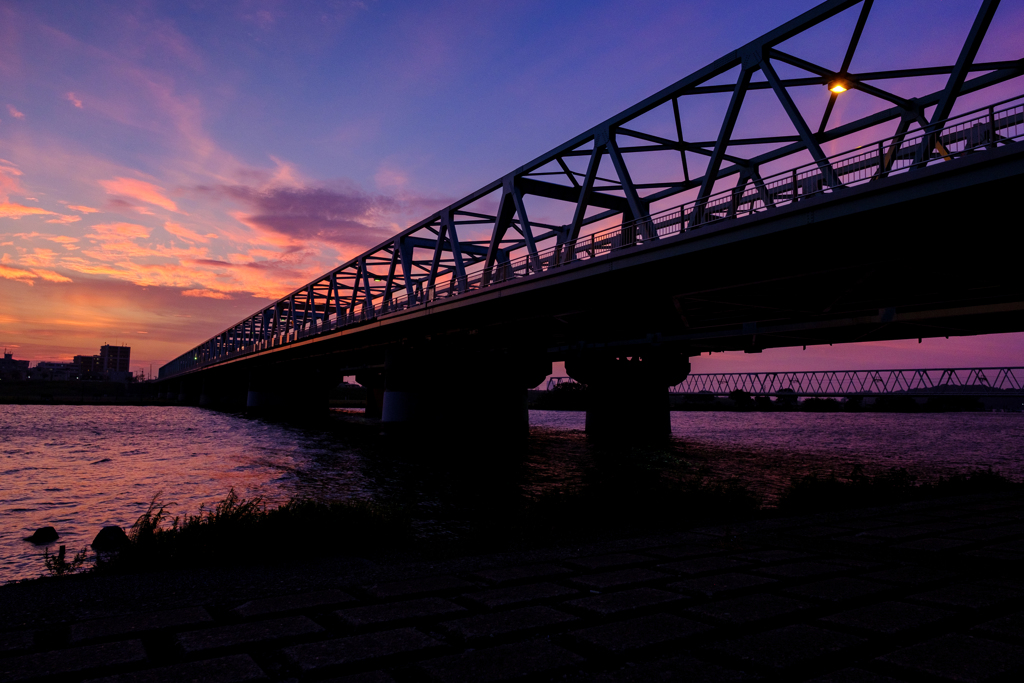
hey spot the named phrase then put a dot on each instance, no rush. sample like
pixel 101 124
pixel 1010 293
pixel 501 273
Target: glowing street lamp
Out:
pixel 837 86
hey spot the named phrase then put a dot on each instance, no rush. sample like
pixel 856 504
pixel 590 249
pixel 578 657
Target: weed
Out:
pixel 57 565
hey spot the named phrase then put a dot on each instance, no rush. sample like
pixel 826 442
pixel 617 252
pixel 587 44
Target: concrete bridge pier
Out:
pixel 454 398
pixel 627 396
pixel 188 392
pixel 373 382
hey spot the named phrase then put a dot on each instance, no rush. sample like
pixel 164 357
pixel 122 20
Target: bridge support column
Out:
pixel 457 398
pixel 373 382
pixel 627 396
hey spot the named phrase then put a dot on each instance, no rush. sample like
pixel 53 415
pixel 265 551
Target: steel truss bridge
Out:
pixel 639 181
pixel 1007 381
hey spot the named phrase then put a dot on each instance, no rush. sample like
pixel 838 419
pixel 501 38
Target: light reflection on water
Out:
pixel 80 468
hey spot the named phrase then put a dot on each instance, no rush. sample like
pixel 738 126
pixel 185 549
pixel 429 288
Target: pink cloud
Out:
pixel 65 219
pixel 119 231
pixel 29 276
pixel 83 209
pixel 74 100
pixel 206 294
pixel 16 211
pixel 14 112
pixel 140 190
pixel 188 235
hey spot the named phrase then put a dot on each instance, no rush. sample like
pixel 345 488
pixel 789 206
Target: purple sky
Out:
pixel 166 168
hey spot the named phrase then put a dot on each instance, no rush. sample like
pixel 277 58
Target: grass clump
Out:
pixel 240 530
pixel 59 565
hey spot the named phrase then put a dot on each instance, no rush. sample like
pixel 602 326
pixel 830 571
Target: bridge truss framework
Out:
pixel 1005 381
pixel 630 181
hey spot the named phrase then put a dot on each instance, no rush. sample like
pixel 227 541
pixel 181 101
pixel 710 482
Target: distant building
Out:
pixel 13 370
pixel 88 366
pixel 114 362
pixel 54 372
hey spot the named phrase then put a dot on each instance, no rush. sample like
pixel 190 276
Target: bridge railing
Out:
pixel 984 128
pixel 1000 381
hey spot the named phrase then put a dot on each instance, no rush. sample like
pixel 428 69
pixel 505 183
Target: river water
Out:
pixel 81 468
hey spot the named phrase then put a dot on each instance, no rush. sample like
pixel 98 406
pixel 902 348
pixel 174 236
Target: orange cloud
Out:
pixel 29 276
pixel 206 294
pixel 188 235
pixel 74 100
pixel 65 219
pixel 140 190
pixel 60 239
pixel 119 231
pixel 14 112
pixel 16 211
pixel 83 209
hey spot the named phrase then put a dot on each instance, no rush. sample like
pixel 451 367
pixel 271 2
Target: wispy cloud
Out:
pixel 206 294
pixel 14 112
pixel 139 190
pixel 188 235
pixel 82 209
pixel 29 276
pixel 74 100
pixel 345 216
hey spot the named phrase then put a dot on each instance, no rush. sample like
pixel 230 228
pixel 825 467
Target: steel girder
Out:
pixel 1005 381
pixel 493 235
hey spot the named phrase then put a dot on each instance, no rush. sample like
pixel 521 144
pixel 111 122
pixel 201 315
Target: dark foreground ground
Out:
pixel 928 591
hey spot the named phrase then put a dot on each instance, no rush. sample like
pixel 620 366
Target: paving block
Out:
pixel 520 595
pixel 986 534
pixel 483 627
pixel 642 632
pixel 364 648
pixel 624 601
pixel 911 575
pixel 704 565
pixel 934 545
pixel 841 589
pixel 749 608
pixel 1011 627
pixel 502 663
pixel 16 641
pixel 608 561
pixel 430 584
pixel 528 572
pixel 678 552
pixel 786 647
pixel 368 677
pixel 959 657
pixel 233 669
pixel 888 617
pixel 853 676
pixel 816 531
pixel 801 570
pixel 719 584
pixel 72 660
pixel 773 555
pixel 247 633
pixel 398 611
pixel 138 623
pixel 680 668
pixel 968 595
pixel 619 578
pixel 290 603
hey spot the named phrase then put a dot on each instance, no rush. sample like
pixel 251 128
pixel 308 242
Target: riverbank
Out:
pixel 911 591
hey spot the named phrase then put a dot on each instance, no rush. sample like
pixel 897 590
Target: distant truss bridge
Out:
pixel 1006 381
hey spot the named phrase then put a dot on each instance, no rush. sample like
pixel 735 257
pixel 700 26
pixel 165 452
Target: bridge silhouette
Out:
pixel 978 382
pixel 654 247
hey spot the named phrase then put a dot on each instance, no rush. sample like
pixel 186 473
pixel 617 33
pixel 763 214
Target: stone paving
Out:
pixel 920 592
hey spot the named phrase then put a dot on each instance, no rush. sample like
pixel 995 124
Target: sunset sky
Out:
pixel 166 168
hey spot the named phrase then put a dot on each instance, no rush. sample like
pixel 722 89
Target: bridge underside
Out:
pixel 927 254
